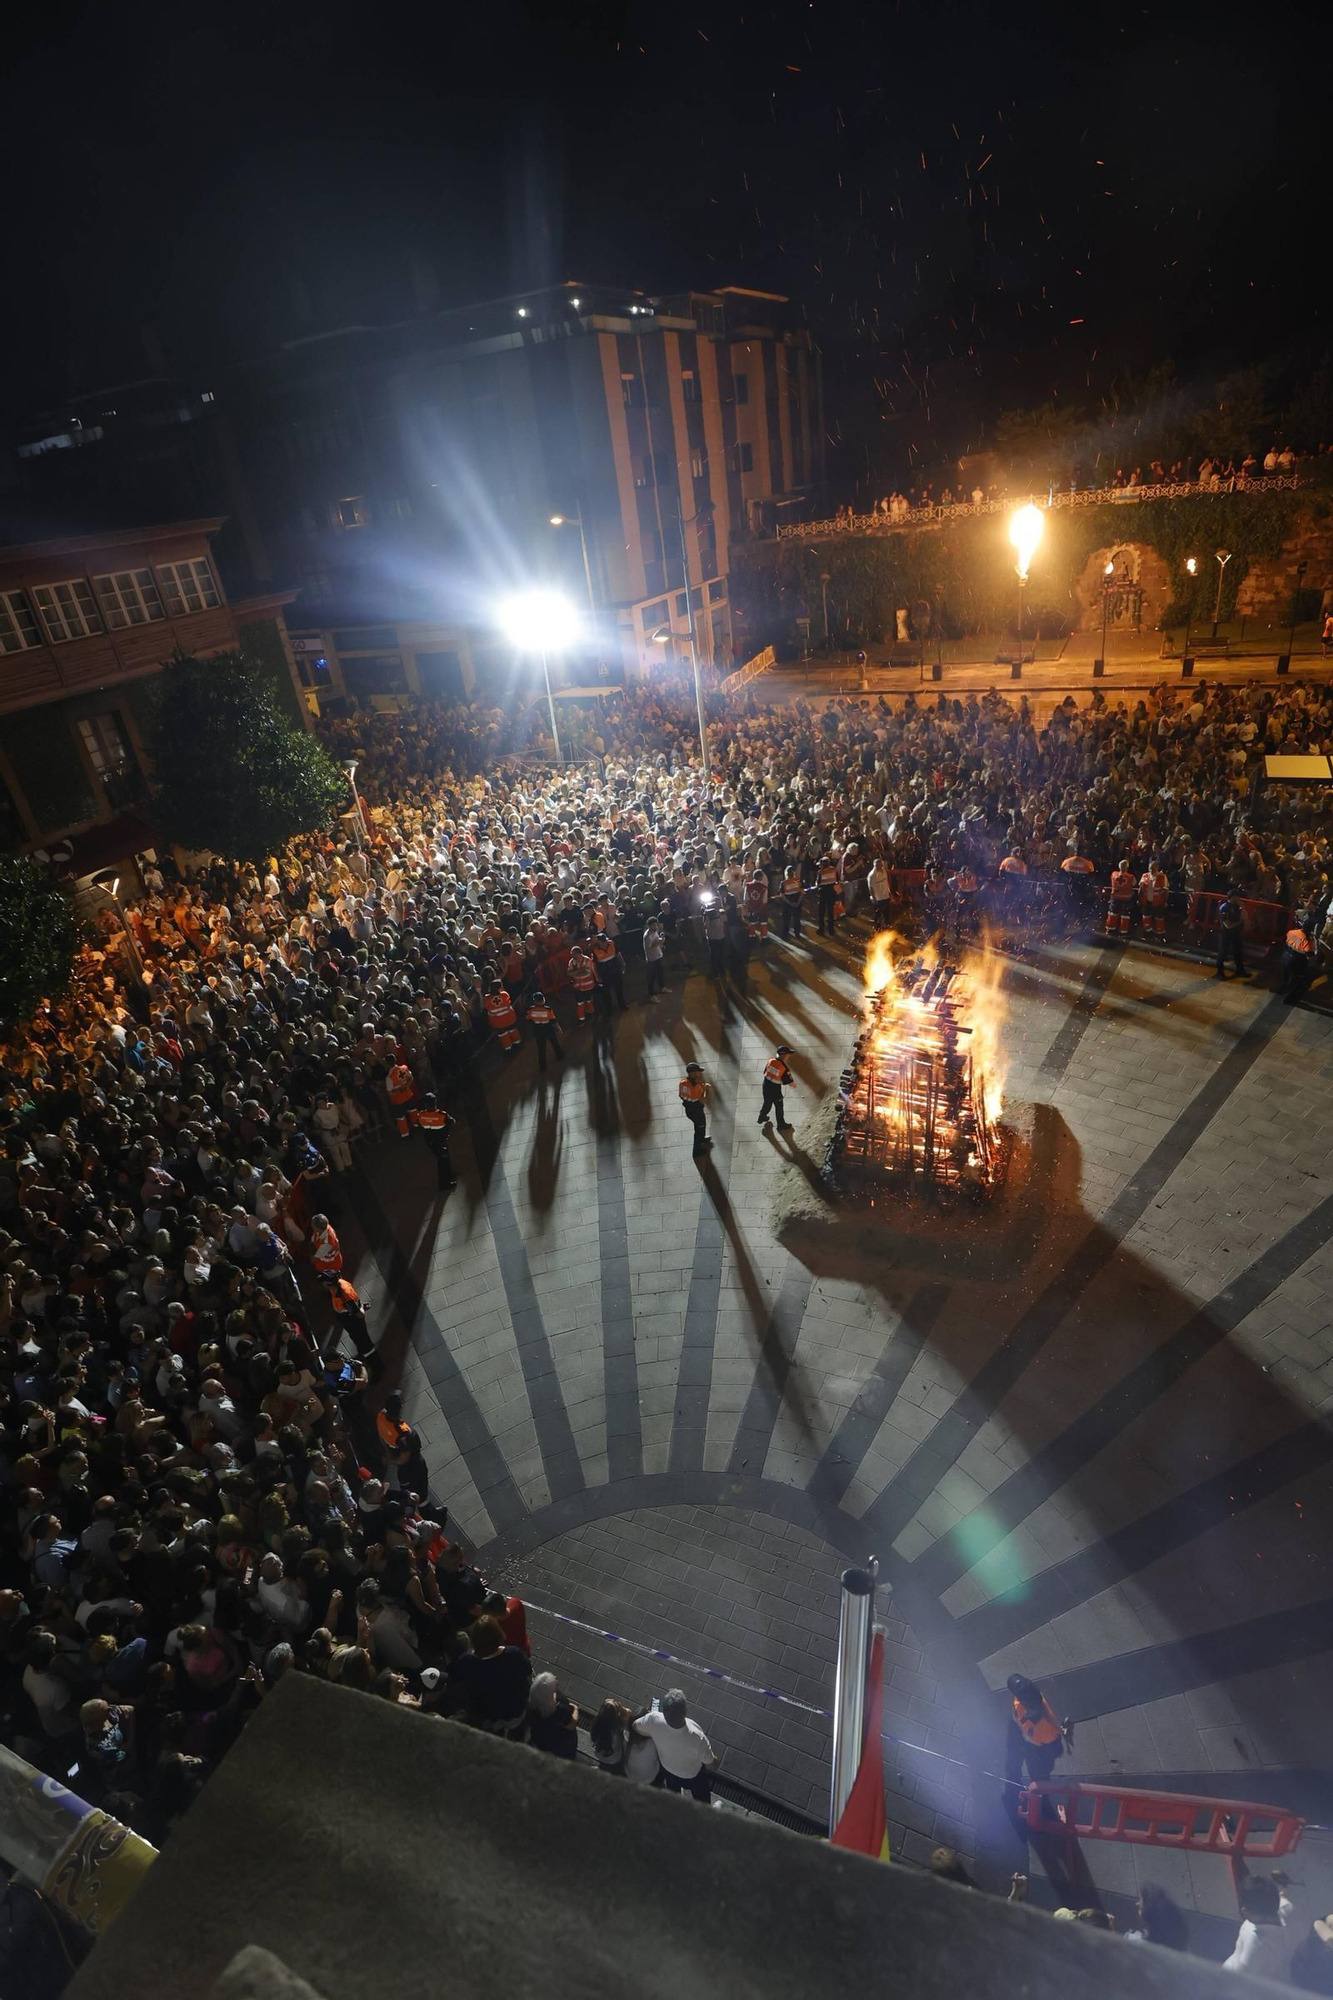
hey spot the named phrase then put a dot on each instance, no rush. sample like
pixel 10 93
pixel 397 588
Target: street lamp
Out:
pixel 1107 574
pixel 663 636
pixel 540 621
pixel 1025 532
pixel 112 889
pixel 1223 558
pixel 360 822
pixel 1192 567
pixel 576 521
pixel 824 584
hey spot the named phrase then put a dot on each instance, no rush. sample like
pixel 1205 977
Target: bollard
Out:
pixel 1016 670
pixel 1284 663
pixel 86 1864
pixel 1187 667
pixel 1098 669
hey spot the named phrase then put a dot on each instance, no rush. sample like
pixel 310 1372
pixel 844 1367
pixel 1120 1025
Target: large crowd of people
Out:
pixel 208 1479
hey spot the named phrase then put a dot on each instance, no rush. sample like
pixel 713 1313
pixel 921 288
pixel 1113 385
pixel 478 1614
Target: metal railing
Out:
pixel 1098 496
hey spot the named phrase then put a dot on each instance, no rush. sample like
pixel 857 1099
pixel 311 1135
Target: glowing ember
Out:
pixel 914 1108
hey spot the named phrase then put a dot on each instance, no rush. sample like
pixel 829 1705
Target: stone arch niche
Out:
pixel 1140 588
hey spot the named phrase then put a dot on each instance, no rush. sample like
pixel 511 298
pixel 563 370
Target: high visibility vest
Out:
pixel 1154 888
pixel 966 882
pixel 776 1071
pixel 433 1121
pixel 541 1017
pixel 345 1298
pixel 793 888
pixel 1122 885
pixel 400 1084
pixel 500 1009
pixel 325 1255
pixel 1076 864
pixel 828 874
pixel 1298 940
pixel 603 949
pixel 581 974
pixel 1041 1728
pixel 691 1092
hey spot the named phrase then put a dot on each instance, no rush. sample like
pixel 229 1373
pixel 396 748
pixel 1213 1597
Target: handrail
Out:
pixel 1097 496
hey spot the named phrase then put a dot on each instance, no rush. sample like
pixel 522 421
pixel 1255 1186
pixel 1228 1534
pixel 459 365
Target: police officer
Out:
pixel 435 1124
pixel 1036 1735
pixel 1231 934
pixel 541 1019
pixel 349 1316
pixel 609 968
pixel 1298 958
pixel 694 1094
pixel 776 1077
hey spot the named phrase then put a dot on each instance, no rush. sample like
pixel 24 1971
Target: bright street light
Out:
pixel 540 621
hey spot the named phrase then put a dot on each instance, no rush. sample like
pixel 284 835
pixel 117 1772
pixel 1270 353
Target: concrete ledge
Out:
pixel 375 1851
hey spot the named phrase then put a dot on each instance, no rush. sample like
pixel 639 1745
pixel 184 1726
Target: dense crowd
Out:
pixel 205 1485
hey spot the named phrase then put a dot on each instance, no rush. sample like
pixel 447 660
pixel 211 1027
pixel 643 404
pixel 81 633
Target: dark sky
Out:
pixel 977 205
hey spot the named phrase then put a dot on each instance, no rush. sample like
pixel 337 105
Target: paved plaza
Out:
pixel 1085 1431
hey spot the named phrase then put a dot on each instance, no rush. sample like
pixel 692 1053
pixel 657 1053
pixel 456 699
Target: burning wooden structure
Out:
pixel 912 1111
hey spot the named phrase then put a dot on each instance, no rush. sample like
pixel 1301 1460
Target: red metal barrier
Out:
pixel 1229 1827
pixel 1266 924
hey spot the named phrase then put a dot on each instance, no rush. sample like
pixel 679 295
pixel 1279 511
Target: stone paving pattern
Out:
pixel 1094 1447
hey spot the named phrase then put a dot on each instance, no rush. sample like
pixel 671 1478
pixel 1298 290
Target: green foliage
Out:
pixel 1041 441
pixel 234 775
pixel 38 940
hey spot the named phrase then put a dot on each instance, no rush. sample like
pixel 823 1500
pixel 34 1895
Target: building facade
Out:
pixel 87 623
pixel 402 479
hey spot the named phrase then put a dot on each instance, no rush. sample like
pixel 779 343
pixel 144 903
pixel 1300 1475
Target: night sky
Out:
pixel 976 206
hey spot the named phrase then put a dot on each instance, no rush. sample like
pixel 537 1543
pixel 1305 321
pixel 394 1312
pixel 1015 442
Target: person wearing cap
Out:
pixel 694 1094
pixel 435 1122
pixel 688 1758
pixel 1231 934
pixel 777 1077
pixel 545 1029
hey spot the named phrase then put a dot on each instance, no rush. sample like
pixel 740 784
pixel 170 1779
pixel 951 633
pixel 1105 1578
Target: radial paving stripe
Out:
pixel 754 1432
pixel 560 1456
pixel 694 1383
pixel 861 1425
pixel 949 1438
pixel 624 1431
pixel 1064 1048
pixel 1079 1443
pixel 1127 1680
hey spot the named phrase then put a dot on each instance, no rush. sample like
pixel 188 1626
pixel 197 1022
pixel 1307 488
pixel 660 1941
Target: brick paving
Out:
pixel 1092 1444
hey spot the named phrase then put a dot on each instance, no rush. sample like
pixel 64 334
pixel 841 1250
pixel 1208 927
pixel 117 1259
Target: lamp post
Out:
pixel 576 521
pixel 112 889
pixel 1107 574
pixel 541 621
pixel 663 636
pixel 1223 558
pixel 823 585
pixel 360 821
pixel 1025 532
pixel 1192 566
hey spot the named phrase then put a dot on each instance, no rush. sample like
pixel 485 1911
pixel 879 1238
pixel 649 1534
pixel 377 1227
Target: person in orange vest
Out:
pixel 793 894
pixel 401 1086
pixel 349 1315
pixel 609 968
pixel 1036 1736
pixel 500 1013
pixel 776 1077
pixel 435 1124
pixel 583 979
pixel 827 879
pixel 1154 888
pixel 756 903
pixel 1120 908
pixel 325 1251
pixel 694 1096
pixel 541 1017
pixel 1298 959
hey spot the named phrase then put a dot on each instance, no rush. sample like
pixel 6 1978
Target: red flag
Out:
pixel 864 1826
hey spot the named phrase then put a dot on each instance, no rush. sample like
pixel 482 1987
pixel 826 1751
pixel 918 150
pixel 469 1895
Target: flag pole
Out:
pixel 856 1621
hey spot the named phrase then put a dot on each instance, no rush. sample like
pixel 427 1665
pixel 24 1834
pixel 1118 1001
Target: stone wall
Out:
pixel 1146 569
pixel 1269 588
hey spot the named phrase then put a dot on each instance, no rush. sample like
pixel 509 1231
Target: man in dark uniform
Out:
pixel 1231 935
pixel 435 1124
pixel 694 1096
pixel 776 1077
pixel 541 1019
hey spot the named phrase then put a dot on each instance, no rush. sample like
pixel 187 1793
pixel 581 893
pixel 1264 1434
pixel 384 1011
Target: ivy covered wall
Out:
pixel 966 568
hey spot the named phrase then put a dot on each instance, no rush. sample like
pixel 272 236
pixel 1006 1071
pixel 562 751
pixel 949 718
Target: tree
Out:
pixel 38 940
pixel 1043 442
pixel 235 776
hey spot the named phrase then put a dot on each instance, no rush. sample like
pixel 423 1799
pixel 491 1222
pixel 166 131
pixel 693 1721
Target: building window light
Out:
pixel 522 312
pixel 206 396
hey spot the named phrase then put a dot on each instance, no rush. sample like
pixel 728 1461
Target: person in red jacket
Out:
pixel 500 1013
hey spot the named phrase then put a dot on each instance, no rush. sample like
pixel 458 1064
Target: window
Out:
pixel 129 597
pixel 654 615
pixel 689 383
pixel 717 591
pixel 744 458
pixel 68 609
pixel 741 388
pixel 697 464
pixel 18 627
pixel 351 513
pixel 629 389
pixel 104 740
pixel 187 586
pixel 316 585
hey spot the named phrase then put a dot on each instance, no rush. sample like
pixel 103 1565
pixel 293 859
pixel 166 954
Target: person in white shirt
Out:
pixel 1263 1947
pixel 687 1756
